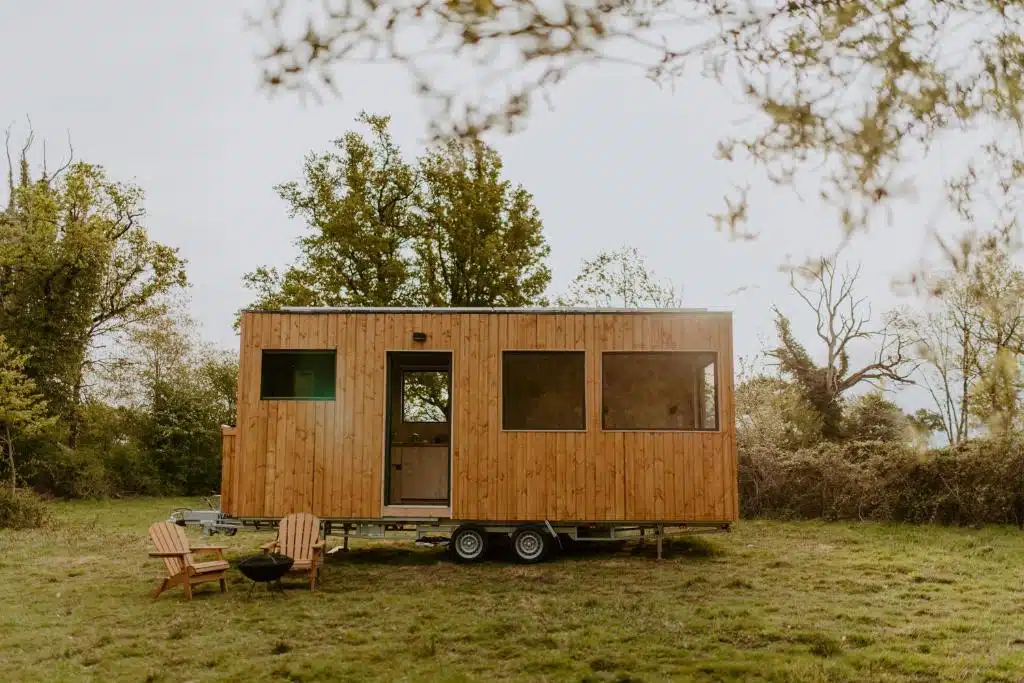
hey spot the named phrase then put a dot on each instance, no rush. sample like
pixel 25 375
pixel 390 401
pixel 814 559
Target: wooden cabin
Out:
pixel 498 416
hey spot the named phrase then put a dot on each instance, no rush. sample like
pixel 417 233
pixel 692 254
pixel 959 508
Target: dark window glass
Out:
pixel 659 390
pixel 543 390
pixel 298 375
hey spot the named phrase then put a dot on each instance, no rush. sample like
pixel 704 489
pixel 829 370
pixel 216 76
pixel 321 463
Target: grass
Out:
pixel 767 602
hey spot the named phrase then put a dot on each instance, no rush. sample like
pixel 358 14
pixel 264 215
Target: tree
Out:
pixel 357 202
pixel 773 412
pixel 183 393
pixel 946 343
pixel 996 288
pixel 77 269
pixel 23 410
pixel 860 88
pixel 619 278
pixel 970 340
pixel 444 231
pixel 840 322
pixel 480 241
pixel 872 417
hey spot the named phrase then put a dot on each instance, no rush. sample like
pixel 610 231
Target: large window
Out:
pixel 543 390
pixel 659 390
pixel 298 375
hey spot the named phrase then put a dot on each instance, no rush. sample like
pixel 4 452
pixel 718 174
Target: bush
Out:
pixel 981 482
pixel 67 473
pixel 21 509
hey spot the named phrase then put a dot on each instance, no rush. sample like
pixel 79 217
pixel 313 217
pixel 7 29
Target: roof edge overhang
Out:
pixel 552 310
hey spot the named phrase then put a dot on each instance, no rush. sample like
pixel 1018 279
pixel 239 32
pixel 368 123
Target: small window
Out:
pixel 425 396
pixel 659 390
pixel 298 375
pixel 543 390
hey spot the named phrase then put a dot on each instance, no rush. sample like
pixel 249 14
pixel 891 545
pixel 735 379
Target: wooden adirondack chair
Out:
pixel 172 545
pixel 298 537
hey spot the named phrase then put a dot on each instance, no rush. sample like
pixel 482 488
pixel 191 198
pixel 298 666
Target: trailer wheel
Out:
pixel 531 544
pixel 469 544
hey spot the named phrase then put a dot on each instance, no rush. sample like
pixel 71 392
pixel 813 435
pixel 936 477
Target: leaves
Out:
pixel 619 278
pixel 851 94
pixel 447 230
pixel 77 269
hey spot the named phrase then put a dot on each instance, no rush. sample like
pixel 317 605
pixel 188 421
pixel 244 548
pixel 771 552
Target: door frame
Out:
pixel 397 510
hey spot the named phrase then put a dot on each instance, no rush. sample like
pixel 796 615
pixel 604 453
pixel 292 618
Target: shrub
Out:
pixel 20 509
pixel 980 482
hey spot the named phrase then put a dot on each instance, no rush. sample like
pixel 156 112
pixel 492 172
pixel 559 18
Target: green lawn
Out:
pixel 767 602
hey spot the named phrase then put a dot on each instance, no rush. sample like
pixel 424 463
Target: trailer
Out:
pixel 459 424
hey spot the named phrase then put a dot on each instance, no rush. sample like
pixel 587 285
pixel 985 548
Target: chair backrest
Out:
pixel 171 538
pixel 296 535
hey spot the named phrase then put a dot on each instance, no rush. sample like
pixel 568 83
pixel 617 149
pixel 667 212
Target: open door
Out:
pixel 418 450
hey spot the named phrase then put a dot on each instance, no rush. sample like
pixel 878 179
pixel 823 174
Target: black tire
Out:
pixel 531 544
pixel 468 544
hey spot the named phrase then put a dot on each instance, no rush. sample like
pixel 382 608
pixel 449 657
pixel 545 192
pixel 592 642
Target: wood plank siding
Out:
pixel 327 456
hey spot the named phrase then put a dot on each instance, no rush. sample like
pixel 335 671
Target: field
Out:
pixel 767 602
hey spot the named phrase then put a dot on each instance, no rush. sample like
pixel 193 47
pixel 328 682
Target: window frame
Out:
pixel 307 352
pixel 657 430
pixel 414 371
pixel 501 392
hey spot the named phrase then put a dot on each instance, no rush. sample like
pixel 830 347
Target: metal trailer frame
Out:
pixel 430 530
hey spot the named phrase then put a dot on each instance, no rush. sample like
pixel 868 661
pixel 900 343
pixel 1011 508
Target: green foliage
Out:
pixel 773 412
pixel 872 417
pixel 619 278
pixel 480 241
pixel 839 324
pixel 975 483
pixel 76 266
pixel 969 340
pixel 358 201
pixel 23 411
pixel 21 509
pixel 446 230
pixel 849 93
pixel 183 438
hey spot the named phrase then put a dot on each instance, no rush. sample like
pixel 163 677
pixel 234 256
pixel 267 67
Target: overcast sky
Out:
pixel 167 95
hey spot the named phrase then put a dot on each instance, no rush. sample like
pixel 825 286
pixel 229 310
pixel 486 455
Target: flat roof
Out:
pixel 482 309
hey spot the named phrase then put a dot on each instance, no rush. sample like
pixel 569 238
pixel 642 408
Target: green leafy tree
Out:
pixel 619 278
pixel 944 338
pixel 970 339
pixel 771 411
pixel 444 231
pixel 872 417
pixel 183 392
pixel 77 269
pixel 480 240
pixel 23 410
pixel 357 202
pixel 840 321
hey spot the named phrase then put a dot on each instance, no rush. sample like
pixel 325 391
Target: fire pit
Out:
pixel 265 568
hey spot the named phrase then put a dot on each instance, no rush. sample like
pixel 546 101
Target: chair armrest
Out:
pixel 269 546
pixel 171 554
pixel 318 545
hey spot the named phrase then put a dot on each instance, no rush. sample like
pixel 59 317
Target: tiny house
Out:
pixel 592 423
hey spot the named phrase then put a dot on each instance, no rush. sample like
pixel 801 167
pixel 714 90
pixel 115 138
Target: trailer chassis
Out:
pixel 531 541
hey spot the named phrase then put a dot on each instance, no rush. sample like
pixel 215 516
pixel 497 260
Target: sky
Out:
pixel 168 96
